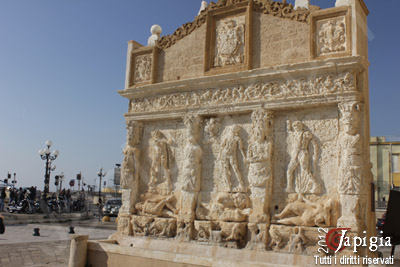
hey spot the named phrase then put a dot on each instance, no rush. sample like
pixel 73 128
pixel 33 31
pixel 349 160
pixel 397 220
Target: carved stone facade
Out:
pixel 250 158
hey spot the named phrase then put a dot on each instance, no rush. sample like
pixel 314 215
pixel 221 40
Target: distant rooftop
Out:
pixel 389 138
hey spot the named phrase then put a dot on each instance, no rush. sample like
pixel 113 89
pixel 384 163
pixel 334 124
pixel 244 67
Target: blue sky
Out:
pixel 62 62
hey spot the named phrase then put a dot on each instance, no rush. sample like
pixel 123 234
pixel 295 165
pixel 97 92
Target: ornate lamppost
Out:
pixel 48 157
pixel 101 174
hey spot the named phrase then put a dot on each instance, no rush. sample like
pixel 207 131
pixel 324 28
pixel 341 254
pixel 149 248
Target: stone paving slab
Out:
pixel 23 233
pixel 18 248
pixel 15 218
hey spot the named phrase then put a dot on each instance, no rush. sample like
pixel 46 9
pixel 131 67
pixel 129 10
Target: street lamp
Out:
pixel 79 178
pixel 49 157
pixel 58 181
pixel 101 174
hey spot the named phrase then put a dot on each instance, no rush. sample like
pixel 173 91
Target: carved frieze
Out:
pixel 321 85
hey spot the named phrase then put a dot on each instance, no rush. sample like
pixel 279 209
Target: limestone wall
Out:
pixel 248 128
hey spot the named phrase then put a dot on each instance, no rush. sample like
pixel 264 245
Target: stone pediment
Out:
pixel 274 8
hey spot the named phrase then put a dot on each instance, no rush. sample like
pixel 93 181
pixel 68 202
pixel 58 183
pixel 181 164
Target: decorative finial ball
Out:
pixel 156 29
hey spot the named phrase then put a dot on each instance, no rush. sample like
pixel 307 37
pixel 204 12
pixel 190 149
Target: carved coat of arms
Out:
pixel 229 48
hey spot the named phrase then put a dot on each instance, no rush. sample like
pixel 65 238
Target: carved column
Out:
pixel 130 174
pixel 260 152
pixel 191 174
pixel 351 183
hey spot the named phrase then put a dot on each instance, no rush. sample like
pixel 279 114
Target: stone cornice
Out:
pixel 278 9
pixel 265 74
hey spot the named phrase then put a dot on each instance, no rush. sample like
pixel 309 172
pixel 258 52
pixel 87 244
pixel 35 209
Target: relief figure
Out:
pixel 301 211
pixel 301 160
pixel 161 157
pixel 131 161
pixel 153 204
pixel 228 158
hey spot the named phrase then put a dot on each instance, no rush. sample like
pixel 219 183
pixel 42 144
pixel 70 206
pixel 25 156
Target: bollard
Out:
pixel 78 251
pixel 36 231
pixel 71 230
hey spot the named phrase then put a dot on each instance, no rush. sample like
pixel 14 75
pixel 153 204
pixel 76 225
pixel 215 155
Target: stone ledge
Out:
pixel 181 253
pixel 270 73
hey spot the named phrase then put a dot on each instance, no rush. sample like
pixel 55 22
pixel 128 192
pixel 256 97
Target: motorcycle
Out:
pixel 24 206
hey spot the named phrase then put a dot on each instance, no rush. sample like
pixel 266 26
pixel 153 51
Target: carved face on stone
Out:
pixel 298 126
pixel 350 117
pixel 236 130
pixel 156 135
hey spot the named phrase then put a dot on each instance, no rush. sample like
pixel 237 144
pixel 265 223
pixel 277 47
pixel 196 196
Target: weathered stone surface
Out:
pixel 254 132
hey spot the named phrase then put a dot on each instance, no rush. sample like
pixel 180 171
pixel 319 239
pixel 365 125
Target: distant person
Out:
pixel 2 198
pixel 68 199
pixel 2 226
pixel 20 194
pixel 12 195
pixel 34 193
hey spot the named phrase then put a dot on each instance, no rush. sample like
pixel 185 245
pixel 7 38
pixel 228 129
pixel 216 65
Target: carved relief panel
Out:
pixel 331 33
pixel 228 40
pixel 143 66
pixel 142 72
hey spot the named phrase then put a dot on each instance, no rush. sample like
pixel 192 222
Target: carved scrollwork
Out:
pixel 279 89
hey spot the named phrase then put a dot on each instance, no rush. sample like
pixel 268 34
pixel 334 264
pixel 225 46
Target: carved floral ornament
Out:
pixel 331 36
pixel 278 9
pixel 274 90
pixel 331 32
